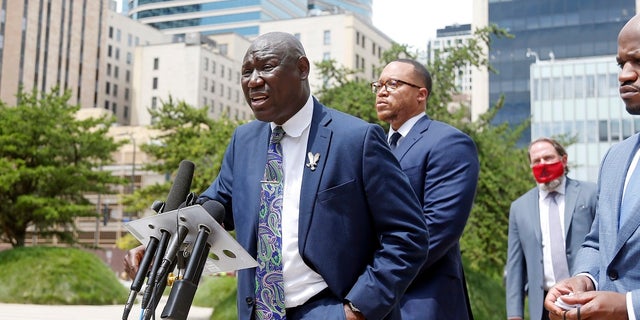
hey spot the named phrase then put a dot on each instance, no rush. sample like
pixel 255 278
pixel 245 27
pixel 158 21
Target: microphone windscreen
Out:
pixel 181 186
pixel 215 209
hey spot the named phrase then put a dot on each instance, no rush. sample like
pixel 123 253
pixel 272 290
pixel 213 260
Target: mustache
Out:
pixel 630 84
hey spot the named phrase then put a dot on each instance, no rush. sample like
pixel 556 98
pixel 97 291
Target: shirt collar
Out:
pixel 300 121
pixel 407 125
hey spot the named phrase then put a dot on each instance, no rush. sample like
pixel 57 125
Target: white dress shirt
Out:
pixel 543 204
pixel 405 128
pixel 300 282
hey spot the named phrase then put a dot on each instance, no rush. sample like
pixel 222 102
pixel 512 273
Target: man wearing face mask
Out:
pixel 547 226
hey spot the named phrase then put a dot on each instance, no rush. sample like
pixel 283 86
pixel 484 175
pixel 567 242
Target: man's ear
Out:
pixel 303 67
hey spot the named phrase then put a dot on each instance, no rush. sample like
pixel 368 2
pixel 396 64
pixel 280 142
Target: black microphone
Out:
pixel 183 291
pixel 177 195
pixel 178 192
pixel 215 209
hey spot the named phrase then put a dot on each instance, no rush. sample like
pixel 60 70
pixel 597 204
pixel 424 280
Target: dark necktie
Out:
pixel 558 255
pixel 393 142
pixel 269 279
pixel 630 199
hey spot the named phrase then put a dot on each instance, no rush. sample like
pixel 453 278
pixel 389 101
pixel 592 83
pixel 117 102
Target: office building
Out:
pixel 579 98
pixel 361 8
pixel 547 29
pixel 345 38
pixel 450 37
pixel 116 91
pixel 192 71
pixel 212 17
pixel 47 44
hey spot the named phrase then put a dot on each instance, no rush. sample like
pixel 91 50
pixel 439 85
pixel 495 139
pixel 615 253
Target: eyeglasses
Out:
pixel 390 85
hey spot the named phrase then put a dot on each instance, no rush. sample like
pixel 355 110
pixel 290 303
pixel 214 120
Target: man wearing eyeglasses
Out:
pixel 442 165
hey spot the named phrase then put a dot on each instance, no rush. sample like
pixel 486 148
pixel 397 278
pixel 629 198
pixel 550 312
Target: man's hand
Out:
pixel 594 305
pixel 574 285
pixel 132 260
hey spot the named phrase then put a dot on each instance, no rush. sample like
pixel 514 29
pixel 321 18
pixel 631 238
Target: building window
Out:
pixel 327 37
pixel 357 37
pixel 156 63
pixel 110 32
pixel 118 35
pixel 129 58
pixel 155 83
pixel 154 103
pixel 127 76
pixel 116 71
pixel 115 90
pixel 126 112
pixel 109 69
pixel 326 56
pixel 109 49
pixel 108 87
pixel 206 64
pixel 126 94
pixel 117 53
pixel 221 71
pixel 213 67
pixel 357 61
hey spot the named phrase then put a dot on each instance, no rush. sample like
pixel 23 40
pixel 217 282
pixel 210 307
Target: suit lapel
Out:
pixel 570 200
pixel 417 132
pixel 535 215
pixel 318 143
pixel 619 176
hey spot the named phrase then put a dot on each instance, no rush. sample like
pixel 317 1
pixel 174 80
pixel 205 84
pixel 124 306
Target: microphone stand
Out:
pixel 183 291
pixel 136 285
pixel 168 263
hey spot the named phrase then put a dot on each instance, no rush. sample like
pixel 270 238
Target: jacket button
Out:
pixel 249 301
pixel 613 275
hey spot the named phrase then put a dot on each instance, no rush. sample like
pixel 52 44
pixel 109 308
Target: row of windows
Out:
pixel 113 106
pixel 131 40
pixel 575 87
pixel 116 72
pixel 229 71
pixel 115 53
pixel 375 49
pixel 590 131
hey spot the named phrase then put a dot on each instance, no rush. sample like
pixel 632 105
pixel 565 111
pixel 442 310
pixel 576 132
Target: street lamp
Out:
pixel 133 162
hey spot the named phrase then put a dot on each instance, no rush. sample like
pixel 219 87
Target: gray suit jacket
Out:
pixel 524 259
pixel 610 255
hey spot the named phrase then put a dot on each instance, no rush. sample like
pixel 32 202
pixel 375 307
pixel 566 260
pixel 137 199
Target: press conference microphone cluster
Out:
pixel 157 245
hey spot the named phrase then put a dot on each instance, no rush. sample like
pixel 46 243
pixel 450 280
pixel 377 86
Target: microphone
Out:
pixel 183 291
pixel 215 209
pixel 177 194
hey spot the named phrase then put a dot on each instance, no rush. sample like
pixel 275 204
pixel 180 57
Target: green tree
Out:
pixel 186 133
pixel 48 162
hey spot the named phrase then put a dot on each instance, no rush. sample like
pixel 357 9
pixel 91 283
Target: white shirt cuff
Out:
pixel 630 312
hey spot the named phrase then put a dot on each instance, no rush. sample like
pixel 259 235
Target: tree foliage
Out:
pixel 48 162
pixel 187 133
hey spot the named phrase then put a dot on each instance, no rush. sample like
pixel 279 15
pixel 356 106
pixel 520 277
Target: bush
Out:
pixel 52 275
pixel 219 293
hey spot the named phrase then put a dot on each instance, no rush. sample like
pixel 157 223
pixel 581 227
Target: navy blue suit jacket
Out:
pixel 442 165
pixel 360 224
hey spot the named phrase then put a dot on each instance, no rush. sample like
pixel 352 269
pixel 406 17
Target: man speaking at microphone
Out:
pixel 317 197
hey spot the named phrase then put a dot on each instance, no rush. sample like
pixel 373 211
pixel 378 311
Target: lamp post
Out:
pixel 133 162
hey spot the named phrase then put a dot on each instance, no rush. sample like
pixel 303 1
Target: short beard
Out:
pixel 551 185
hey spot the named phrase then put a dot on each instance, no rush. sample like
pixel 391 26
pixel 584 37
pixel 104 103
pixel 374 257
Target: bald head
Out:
pixel 628 58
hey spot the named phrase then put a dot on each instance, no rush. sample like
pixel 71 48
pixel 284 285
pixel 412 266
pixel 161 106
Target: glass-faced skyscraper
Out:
pixel 544 30
pixel 213 17
pixel 240 16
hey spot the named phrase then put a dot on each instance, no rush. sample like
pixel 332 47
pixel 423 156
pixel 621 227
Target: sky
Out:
pixel 414 22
